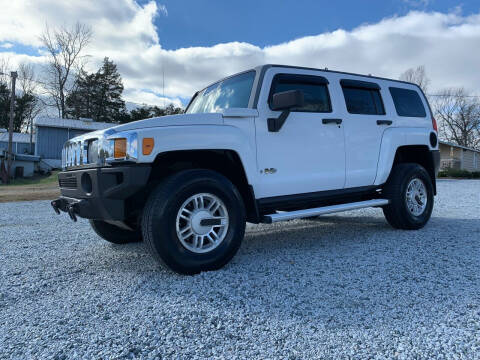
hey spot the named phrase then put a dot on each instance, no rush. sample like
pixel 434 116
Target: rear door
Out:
pixel 308 153
pixel 365 121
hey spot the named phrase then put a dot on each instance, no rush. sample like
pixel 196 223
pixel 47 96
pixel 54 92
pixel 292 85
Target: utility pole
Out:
pixel 13 75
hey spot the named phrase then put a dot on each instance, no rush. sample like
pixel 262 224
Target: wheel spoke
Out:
pixel 187 235
pixel 202 223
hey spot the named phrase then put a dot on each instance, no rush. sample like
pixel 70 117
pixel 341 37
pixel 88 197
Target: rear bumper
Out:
pixel 436 161
pixel 99 193
pixel 436 166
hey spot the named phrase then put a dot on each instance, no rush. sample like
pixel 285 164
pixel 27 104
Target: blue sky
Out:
pixel 195 42
pixel 268 22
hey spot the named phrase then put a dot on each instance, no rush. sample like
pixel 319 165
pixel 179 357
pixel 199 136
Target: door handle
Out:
pixel 332 121
pixel 384 122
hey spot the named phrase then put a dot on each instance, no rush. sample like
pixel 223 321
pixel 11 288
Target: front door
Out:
pixel 308 153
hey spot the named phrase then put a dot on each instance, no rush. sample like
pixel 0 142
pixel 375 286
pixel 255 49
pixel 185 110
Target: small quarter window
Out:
pixel 407 102
pixel 362 97
pixel 314 89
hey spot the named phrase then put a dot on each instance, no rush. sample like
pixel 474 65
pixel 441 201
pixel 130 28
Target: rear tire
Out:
pixel 114 234
pixel 410 191
pixel 183 227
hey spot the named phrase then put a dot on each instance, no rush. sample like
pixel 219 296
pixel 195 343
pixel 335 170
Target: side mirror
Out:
pixel 284 101
pixel 287 100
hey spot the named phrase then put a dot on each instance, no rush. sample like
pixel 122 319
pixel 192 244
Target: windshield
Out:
pixel 233 92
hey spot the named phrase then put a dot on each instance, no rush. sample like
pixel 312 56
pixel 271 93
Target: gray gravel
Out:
pixel 343 286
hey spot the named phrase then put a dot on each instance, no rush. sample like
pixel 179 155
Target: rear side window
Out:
pixel 407 102
pixel 314 89
pixel 362 97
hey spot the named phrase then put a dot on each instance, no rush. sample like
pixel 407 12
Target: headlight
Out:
pixel 92 152
pixel 122 147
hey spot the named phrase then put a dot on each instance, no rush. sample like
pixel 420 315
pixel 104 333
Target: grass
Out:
pixel 39 187
pixel 52 178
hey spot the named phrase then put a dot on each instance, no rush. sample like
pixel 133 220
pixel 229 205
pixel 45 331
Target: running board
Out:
pixel 298 214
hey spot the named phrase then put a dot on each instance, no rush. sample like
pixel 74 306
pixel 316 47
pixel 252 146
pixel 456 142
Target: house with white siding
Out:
pixel 20 142
pixel 458 157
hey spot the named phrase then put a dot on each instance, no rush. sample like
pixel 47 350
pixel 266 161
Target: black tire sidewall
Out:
pixel 114 234
pixel 163 224
pixel 420 173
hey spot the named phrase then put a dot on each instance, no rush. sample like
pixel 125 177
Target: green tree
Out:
pixel 98 96
pixel 23 104
pixel 147 112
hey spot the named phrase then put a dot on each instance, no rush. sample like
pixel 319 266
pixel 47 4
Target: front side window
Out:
pixel 314 90
pixel 363 99
pixel 232 92
pixel 407 102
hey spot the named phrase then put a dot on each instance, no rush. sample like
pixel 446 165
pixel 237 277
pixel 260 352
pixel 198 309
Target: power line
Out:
pixel 453 95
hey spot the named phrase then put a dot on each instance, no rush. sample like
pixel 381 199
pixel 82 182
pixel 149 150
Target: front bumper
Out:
pixel 100 193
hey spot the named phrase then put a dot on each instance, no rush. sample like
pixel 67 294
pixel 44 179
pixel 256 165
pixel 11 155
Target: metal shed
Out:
pixel 52 133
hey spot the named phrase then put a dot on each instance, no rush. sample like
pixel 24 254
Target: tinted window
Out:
pixel 233 92
pixel 315 91
pixel 407 102
pixel 363 101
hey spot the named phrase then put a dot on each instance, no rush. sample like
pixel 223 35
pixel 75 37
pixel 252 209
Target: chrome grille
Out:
pixel 78 153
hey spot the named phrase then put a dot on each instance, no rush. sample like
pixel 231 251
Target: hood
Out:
pixel 172 120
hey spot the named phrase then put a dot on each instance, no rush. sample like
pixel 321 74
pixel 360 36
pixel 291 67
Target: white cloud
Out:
pixel 6 45
pixel 446 43
pixel 141 97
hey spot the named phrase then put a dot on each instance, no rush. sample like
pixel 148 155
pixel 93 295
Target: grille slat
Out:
pixel 69 183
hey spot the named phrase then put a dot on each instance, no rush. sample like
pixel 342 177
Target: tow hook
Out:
pixel 56 204
pixel 71 212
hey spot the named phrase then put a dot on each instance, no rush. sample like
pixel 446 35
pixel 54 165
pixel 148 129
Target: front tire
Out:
pixel 410 191
pixel 114 234
pixel 194 221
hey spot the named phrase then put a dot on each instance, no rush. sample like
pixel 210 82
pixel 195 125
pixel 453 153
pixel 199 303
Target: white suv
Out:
pixel 269 144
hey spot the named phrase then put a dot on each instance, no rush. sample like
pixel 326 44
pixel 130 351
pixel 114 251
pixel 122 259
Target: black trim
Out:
pixel 384 122
pixel 275 124
pixel 332 121
pixel 263 69
pixel 315 199
pixel 433 139
pixel 357 84
pixel 436 160
pixel 435 155
pixel 395 103
pixel 372 91
pixel 306 79
pixel 253 215
pixel 110 188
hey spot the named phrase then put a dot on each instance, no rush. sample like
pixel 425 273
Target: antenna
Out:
pixel 163 84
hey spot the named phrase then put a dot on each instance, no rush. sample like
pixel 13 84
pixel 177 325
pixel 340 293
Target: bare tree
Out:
pixel 30 87
pixel 458 114
pixel 417 76
pixel 64 46
pixel 4 70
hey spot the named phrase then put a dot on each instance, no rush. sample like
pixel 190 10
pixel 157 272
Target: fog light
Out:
pixel 120 148
pixel 87 183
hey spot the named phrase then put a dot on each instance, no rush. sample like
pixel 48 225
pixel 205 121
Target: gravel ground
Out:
pixel 343 286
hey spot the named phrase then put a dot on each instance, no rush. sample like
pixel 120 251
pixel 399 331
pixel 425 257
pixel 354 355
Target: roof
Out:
pixel 266 66
pixel 17 137
pixel 85 124
pixel 458 146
